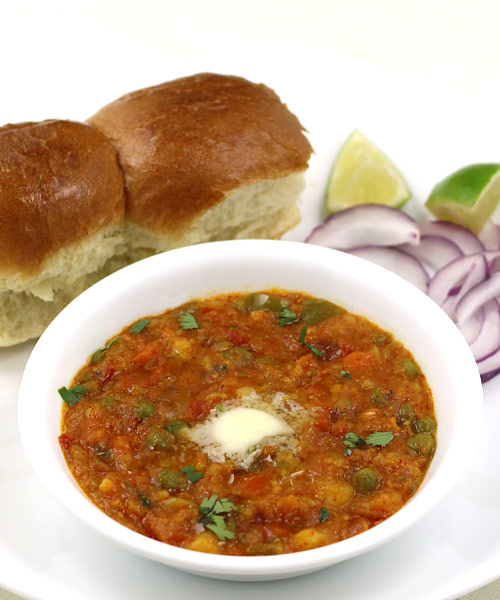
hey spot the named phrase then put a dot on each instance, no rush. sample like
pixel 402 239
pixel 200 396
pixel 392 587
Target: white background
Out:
pixel 421 78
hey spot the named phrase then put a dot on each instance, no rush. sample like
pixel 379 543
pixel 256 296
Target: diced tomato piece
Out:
pixel 147 354
pixel 358 361
pixel 237 337
pixel 256 484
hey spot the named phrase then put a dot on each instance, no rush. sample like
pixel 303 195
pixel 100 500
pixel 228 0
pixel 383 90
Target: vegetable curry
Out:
pixel 249 425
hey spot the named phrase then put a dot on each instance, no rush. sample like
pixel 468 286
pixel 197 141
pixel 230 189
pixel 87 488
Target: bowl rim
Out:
pixel 53 477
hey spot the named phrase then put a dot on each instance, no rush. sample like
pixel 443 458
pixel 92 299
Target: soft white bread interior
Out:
pixel 62 205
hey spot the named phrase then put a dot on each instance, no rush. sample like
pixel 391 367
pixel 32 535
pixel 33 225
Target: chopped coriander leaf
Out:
pixel 324 514
pixel 352 440
pixel 302 339
pixel 174 426
pixel 346 374
pixel 187 321
pixel 379 438
pixel 139 326
pixel 100 451
pixel 73 395
pixel 145 501
pixel 287 317
pixel 191 474
pixel 96 357
pixel 212 509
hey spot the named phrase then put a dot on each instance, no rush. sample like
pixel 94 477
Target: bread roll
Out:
pixel 206 157
pixel 62 205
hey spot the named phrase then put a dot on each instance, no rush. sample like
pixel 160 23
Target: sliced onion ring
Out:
pixel 477 273
pixel 463 238
pixel 472 327
pixel 434 250
pixel 477 296
pixel 490 236
pixel 397 261
pixel 366 225
pixel 453 274
pixel 488 340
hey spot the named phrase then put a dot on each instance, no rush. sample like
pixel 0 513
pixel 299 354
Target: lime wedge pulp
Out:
pixel 362 174
pixel 467 197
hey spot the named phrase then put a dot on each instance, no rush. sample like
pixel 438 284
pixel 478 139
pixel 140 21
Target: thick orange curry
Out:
pixel 353 418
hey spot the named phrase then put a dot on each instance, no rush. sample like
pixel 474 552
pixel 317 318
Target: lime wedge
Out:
pixel 362 174
pixel 467 197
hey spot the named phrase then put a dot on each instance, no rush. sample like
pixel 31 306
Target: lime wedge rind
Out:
pixel 467 197
pixel 362 174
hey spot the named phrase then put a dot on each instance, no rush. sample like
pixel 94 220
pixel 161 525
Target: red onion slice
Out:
pixel 463 238
pixel 488 340
pixel 478 272
pixel 434 250
pixel 472 327
pixel 477 296
pixel 449 277
pixel 397 261
pixel 366 225
pixel 447 280
pixel 490 366
pixel 490 236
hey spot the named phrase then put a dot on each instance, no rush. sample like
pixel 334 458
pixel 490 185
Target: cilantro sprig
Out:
pixel 139 326
pixel 376 438
pixel 96 357
pixel 302 340
pixel 212 510
pixel 324 514
pixel 287 317
pixel 191 474
pixel 73 395
pixel 187 321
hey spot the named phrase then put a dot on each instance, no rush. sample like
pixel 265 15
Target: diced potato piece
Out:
pixel 182 348
pixel 107 486
pixel 309 538
pixel 334 493
pixel 205 542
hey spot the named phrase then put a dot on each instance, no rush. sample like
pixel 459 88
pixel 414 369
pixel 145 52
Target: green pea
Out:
pixel 107 402
pixel 172 479
pixel 318 310
pixel 263 302
pixel 422 444
pixel 425 425
pixel 406 411
pixel 365 480
pixel 159 439
pixel 240 305
pixel 243 357
pixel 143 410
pixel 381 396
pixel 411 369
pixel 381 339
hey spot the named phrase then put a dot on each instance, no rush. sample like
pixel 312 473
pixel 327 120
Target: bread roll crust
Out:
pixel 185 145
pixel 59 182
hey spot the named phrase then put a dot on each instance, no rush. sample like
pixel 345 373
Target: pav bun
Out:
pixel 206 157
pixel 62 205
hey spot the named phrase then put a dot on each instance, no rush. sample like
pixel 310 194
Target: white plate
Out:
pixel 46 553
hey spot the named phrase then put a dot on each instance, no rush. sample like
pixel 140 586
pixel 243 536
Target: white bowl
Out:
pixel 167 280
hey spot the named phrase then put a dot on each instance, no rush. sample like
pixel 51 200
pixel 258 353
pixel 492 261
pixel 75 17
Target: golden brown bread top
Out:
pixel 186 144
pixel 59 181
